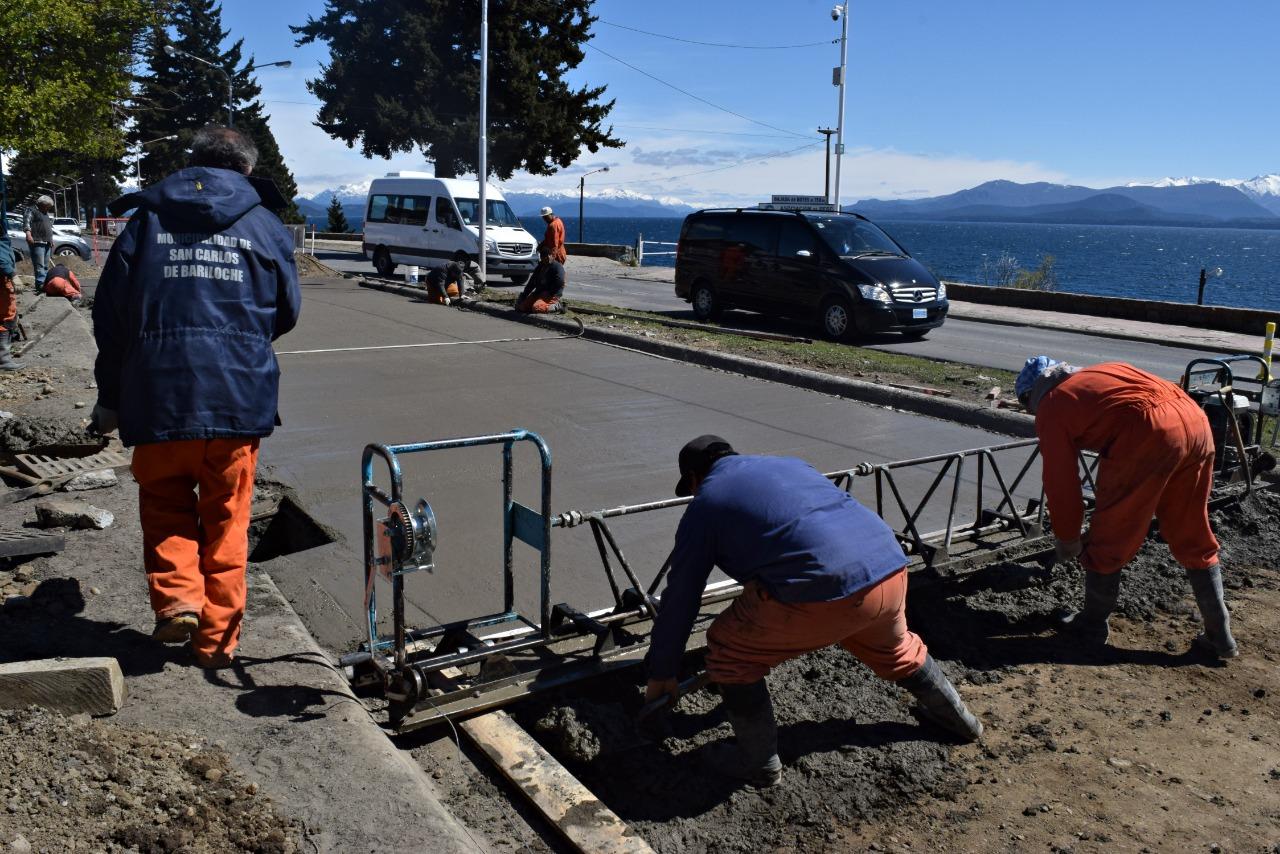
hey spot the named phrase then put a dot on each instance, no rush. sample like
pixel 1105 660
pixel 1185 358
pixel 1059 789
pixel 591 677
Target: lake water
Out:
pixel 1142 262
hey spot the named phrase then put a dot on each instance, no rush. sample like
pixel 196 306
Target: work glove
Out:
pixel 1065 550
pixel 103 421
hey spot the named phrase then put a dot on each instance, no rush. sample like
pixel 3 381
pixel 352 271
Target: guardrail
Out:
pixel 641 251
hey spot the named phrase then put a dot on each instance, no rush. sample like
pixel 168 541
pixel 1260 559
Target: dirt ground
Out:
pixel 1142 746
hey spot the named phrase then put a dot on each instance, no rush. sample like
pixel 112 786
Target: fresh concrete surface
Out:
pixel 614 420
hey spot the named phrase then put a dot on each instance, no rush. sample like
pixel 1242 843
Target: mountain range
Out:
pixel 1254 203
pixel 609 202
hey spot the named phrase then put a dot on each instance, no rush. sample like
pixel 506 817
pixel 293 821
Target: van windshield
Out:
pixel 851 238
pixel 498 213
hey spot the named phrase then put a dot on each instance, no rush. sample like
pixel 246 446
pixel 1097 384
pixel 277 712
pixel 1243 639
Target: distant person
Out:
pixel 1156 460
pixel 444 284
pixel 196 287
pixel 8 303
pixel 61 282
pixel 544 292
pixel 553 239
pixel 817 569
pixel 39 238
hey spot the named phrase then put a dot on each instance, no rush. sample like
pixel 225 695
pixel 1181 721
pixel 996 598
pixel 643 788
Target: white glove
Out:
pixel 1066 550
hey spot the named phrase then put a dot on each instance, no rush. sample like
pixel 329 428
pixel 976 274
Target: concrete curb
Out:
pixel 344 734
pixel 974 415
pixel 1094 333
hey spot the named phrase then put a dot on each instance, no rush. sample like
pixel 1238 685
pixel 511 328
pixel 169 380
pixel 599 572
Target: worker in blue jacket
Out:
pixel 196 288
pixel 817 569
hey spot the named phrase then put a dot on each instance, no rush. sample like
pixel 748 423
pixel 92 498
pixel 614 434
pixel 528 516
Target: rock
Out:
pixel 80 404
pixel 19 845
pixel 1116 762
pixel 91 480
pixel 46 389
pixel 60 513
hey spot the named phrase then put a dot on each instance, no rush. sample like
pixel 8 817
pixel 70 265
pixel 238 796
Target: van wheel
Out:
pixel 382 262
pixel 706 305
pixel 837 320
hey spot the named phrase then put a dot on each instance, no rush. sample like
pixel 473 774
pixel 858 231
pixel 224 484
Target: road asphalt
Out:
pixel 987 336
pixel 614 420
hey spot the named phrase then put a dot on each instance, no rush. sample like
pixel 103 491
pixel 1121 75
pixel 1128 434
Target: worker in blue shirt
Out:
pixel 817 569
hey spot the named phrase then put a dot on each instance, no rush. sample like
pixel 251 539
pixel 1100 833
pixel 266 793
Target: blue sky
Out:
pixel 942 95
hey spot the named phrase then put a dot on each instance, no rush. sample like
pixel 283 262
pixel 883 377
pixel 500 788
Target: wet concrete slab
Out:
pixel 614 420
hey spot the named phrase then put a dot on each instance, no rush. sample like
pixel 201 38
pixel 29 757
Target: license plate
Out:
pixel 919 313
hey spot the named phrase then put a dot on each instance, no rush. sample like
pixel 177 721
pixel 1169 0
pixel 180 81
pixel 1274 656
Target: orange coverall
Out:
pixel 1156 458
pixel 553 240
pixel 195 548
pixel 8 301
pixel 57 286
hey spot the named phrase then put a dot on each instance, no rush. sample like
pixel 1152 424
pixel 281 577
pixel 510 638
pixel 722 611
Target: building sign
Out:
pixel 797 203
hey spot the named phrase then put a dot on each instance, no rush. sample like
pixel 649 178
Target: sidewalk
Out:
pixel 284 714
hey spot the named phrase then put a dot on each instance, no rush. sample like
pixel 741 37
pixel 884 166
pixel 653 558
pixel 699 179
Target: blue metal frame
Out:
pixel 519 523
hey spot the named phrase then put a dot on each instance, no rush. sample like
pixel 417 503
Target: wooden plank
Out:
pixel 67 685
pixel 586 822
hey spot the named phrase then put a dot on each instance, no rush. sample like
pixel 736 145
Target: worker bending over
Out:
pixel 444 284
pixel 1156 458
pixel 552 243
pixel 544 291
pixel 817 569
pixel 61 282
pixel 196 288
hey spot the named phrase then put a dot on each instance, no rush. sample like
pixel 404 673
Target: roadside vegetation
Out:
pixel 931 376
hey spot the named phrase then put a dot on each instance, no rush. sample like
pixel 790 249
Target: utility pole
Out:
pixel 483 172
pixel 843 13
pixel 582 189
pixel 826 181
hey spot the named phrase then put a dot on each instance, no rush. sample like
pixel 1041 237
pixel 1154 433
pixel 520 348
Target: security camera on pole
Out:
pixel 840 13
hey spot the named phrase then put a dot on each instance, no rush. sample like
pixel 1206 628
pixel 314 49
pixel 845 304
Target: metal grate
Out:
pixel 55 467
pixel 20 541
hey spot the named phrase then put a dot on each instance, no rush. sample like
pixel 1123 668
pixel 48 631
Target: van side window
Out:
pixel 413 209
pixel 705 228
pixel 445 215
pixel 378 208
pixel 756 233
pixel 794 238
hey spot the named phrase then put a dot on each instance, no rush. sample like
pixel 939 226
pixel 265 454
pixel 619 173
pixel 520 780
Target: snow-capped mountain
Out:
pixel 1263 189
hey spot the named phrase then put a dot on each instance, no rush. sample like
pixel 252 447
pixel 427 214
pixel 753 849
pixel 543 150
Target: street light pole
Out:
pixel 75 183
pixel 843 13
pixel 582 185
pixel 826 181
pixel 231 110
pixel 483 172
pixel 142 147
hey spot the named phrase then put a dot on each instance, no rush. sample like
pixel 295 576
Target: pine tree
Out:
pixel 181 95
pixel 406 73
pixel 337 217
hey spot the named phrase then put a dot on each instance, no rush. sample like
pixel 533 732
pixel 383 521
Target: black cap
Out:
pixel 696 458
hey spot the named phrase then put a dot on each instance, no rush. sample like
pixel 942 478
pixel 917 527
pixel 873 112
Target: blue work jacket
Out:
pixel 196 288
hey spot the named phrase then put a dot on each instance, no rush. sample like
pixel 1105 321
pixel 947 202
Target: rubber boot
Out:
pixel 1206 584
pixel 7 362
pixel 750 712
pixel 940 704
pixel 1089 624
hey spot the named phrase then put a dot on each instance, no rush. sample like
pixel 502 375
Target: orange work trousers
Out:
pixel 195 497
pixel 1161 465
pixel 539 302
pixel 758 632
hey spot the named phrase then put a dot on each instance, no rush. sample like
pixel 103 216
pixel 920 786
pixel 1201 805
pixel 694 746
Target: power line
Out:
pixel 719 168
pixel 702 130
pixel 693 96
pixel 718 44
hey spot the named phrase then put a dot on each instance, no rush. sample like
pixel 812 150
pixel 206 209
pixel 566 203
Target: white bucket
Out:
pixel 411 275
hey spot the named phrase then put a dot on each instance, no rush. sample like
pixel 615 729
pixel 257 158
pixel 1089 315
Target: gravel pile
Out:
pixel 75 784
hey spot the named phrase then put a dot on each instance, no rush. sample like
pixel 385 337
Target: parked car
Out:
pixel 63 245
pixel 837 269
pixel 413 218
pixel 67 224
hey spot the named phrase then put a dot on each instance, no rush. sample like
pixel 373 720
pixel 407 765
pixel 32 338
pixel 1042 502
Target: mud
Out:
pixel 71 783
pixel 852 749
pixel 24 432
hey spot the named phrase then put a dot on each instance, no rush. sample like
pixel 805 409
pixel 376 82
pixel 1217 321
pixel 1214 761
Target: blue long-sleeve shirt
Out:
pixel 777 521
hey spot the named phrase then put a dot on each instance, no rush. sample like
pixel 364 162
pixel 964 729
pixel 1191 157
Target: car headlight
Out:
pixel 490 244
pixel 942 289
pixel 875 293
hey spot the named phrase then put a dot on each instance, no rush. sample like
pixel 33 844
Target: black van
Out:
pixel 838 269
